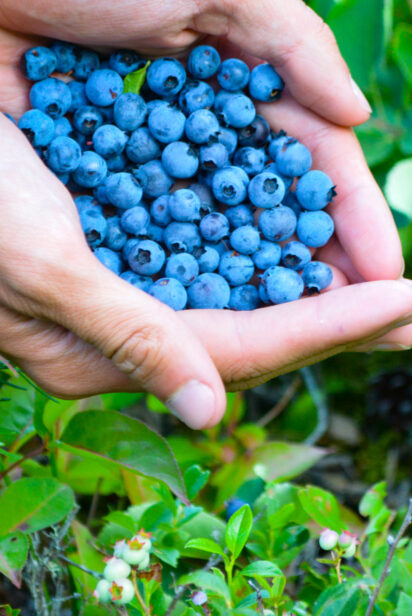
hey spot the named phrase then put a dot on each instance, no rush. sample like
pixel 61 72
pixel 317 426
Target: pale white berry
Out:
pixel 102 591
pixel 115 569
pixel 122 591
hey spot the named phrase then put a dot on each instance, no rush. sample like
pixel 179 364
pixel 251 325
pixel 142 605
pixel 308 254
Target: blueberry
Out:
pixel 244 297
pixel 255 134
pixel 295 255
pixel 291 201
pixel 240 215
pixel 239 111
pixel 141 147
pixel 184 205
pixel 278 141
pixel 252 160
pixel 207 202
pixel 129 111
pixel 85 202
pixel 183 266
pixel 316 276
pixel 79 98
pixel 278 224
pixel 39 63
pixel 146 257
pixel 65 56
pixel 87 61
pixel 62 127
pixel 156 102
pixel 109 140
pixel 135 220
pixel 209 290
pixel 315 190
pixel 237 269
pixel 213 156
pixel 233 505
pixel 293 159
pixel 221 97
pixel 140 282
pixel 273 168
pixel 282 285
pixel 228 138
pixel 103 86
pixel 267 255
pixel 265 84
pixel 214 227
pixel 123 190
pixel 159 210
pixel 153 232
pixel 87 119
pixel 117 163
pixel 115 238
pixel 166 123
pixel 180 160
pixel 166 76
pixel 110 259
pixel 154 179
pixel 203 61
pixel 208 258
pixel 94 226
pixel 266 190
pixel 263 294
pixel 125 61
pixel 196 95
pixel 129 246
pixel 201 125
pixel 233 74
pixel 37 126
pixel 182 237
pixel 169 291
pixel 245 239
pixel 315 228
pixel 63 155
pixel 52 96
pixel 229 185
pixel 91 171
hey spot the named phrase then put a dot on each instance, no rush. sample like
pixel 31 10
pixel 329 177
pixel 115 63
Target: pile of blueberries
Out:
pixel 182 189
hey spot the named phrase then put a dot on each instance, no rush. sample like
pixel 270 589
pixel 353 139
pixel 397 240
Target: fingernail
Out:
pixel 403 270
pixel 193 403
pixel 388 346
pixel 360 96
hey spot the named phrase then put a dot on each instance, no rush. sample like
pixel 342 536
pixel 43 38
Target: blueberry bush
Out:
pixel 297 504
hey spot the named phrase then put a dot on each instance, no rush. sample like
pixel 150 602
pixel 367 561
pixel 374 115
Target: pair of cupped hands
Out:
pixel 77 329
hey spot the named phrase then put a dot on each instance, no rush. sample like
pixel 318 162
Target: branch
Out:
pixel 319 399
pixel 406 522
pixel 281 404
pixel 81 567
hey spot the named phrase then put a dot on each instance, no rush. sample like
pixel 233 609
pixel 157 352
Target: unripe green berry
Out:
pixel 350 551
pixel 119 548
pixel 115 569
pixel 102 591
pixel 122 591
pixel 136 557
pixel 328 539
pixel 345 539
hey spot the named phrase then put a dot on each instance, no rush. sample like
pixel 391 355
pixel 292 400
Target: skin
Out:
pixel 77 329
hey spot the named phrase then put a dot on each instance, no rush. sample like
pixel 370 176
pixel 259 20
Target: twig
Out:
pixel 81 567
pixel 258 596
pixel 406 522
pixel 281 404
pixel 94 503
pixel 143 605
pixel 28 456
pixel 319 400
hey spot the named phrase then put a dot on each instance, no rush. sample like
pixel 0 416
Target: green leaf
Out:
pixel 372 500
pixel 126 442
pixel 378 140
pixel 9 611
pixel 87 556
pixel 404 607
pixel 402 50
pixel 207 545
pixel 347 599
pixel 33 503
pixel 207 581
pixel 134 81
pixel 13 555
pixel 238 530
pixel 282 516
pixel 263 568
pixel 322 7
pixel 359 29
pixel 322 507
pixel 282 461
pixel 195 479
pixel 398 187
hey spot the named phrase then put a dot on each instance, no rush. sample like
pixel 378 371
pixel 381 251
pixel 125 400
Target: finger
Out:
pixel 333 254
pixel 399 339
pixel 363 221
pixel 249 348
pixel 302 48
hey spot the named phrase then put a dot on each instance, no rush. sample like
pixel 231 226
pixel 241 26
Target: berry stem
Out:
pixel 144 607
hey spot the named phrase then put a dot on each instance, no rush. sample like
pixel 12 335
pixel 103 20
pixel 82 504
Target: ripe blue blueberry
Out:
pixel 166 76
pixel 291 201
pixel 295 255
pixel 208 259
pixel 201 125
pixel 184 205
pixel 182 237
pixel 203 61
pixel 91 170
pixel 154 179
pixel 255 134
pixel 115 238
pixel 266 190
pixel 87 61
pixel 282 285
pixel 252 160
pixel 207 202
pixel 315 228
pixel 63 154
pixel 103 87
pixel 240 215
pixel 140 282
pixel 245 239
pixel 315 190
pixel 265 84
pixel 180 160
pixel 166 123
pixel 123 190
pixel 183 266
pixel 39 63
pixel 79 98
pixel 37 126
pixel 146 257
pixel 108 140
pixel 135 220
pixel 244 297
pixel 233 74
pixel 293 159
pixel 52 96
pixel 142 147
pixel 159 210
pixel 267 255
pixel 233 505
pixel 62 127
pixel 65 56
pixel 86 202
pixel 278 224
pixel 237 269
pixel 169 291
pixel 277 142
pixel 316 276
pixel 213 156
pixel 229 185
pixel 94 226
pixel 228 138
pixel 209 290
pixel 153 232
pixel 196 95
pixel 239 111
pixel 125 61
pixel 214 227
pixel 117 163
pixel 287 181
pixel 110 259
pixel 87 119
pixel 129 111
